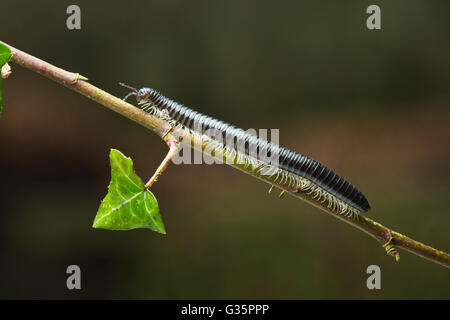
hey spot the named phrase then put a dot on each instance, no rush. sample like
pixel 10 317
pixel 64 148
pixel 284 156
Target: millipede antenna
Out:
pixel 133 93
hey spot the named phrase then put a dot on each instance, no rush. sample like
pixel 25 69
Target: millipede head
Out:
pixel 142 95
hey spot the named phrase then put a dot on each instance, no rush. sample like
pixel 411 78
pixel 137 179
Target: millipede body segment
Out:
pixel 320 184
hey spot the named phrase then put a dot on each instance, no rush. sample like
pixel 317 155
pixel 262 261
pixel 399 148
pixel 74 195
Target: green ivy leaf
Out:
pixel 5 54
pixel 128 205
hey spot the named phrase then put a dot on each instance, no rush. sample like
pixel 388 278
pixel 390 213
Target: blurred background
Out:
pixel 373 105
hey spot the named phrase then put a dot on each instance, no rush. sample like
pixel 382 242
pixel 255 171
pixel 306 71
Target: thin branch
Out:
pixel 173 149
pixel 388 239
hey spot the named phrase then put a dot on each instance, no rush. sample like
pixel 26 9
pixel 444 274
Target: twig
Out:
pixel 173 144
pixel 388 239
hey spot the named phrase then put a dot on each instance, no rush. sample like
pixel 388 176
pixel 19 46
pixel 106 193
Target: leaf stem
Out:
pixel 173 148
pixel 388 238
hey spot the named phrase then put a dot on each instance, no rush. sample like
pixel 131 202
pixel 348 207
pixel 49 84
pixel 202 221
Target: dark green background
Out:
pixel 373 105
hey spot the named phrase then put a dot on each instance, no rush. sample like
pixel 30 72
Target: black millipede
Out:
pixel 320 184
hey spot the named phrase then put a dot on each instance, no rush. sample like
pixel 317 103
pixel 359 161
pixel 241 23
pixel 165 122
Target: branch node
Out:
pixel 390 248
pixel 6 71
pixel 78 77
pixel 166 133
